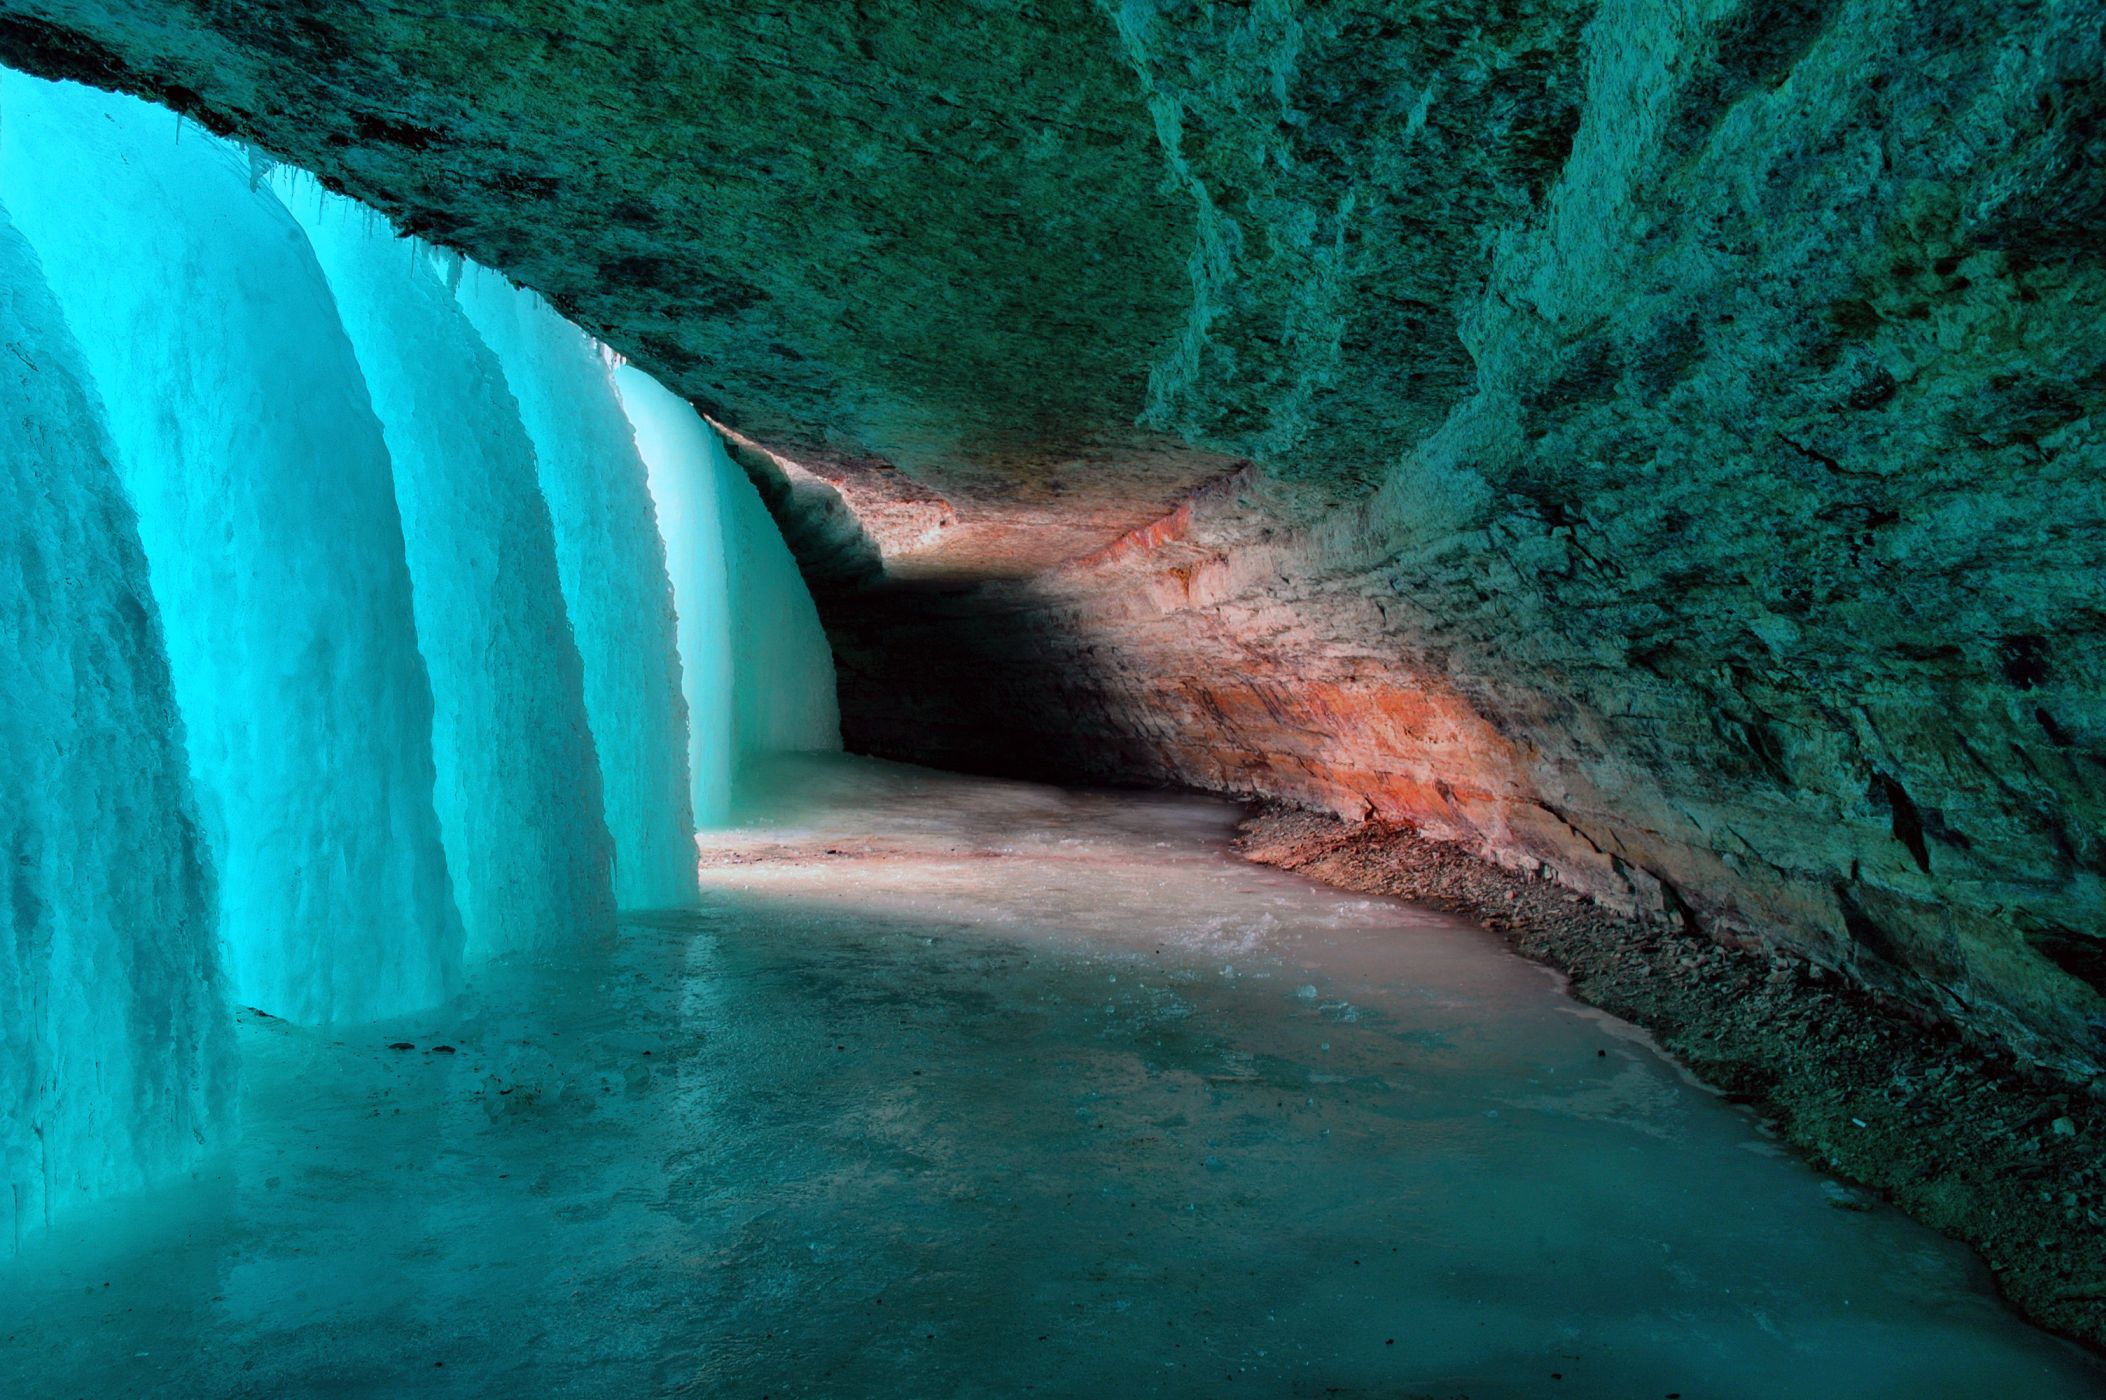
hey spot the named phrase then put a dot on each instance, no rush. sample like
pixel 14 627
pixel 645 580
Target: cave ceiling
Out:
pixel 1058 262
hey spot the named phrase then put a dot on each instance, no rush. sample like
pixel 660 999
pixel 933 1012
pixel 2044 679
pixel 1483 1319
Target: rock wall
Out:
pixel 1758 579
pixel 1674 425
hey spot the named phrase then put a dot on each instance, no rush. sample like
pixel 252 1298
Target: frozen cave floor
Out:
pixel 963 1088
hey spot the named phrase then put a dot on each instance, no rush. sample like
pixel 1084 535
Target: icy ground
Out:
pixel 959 1088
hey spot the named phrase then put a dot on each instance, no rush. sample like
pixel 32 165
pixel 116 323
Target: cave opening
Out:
pixel 1118 698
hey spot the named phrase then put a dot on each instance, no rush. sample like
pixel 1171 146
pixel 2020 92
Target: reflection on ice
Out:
pixel 954 1088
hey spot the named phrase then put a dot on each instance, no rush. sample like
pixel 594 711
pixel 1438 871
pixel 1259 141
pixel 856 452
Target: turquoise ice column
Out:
pixel 250 451
pixel 518 782
pixel 613 572
pixel 116 1057
pixel 786 696
pixel 675 445
pixel 758 670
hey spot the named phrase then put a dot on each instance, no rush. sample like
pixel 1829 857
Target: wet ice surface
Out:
pixel 962 1089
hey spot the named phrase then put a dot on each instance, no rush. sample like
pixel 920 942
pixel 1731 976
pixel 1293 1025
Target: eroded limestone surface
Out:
pixel 1673 423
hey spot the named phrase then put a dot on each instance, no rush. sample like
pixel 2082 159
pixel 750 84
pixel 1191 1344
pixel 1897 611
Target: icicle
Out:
pixel 260 167
pixel 674 444
pixel 754 661
pixel 786 700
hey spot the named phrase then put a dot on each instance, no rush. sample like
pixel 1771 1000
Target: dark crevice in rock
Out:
pixel 1907 822
pixel 2081 957
pixel 1752 48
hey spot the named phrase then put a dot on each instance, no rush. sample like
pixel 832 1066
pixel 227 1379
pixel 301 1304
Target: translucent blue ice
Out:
pixel 115 1048
pixel 518 782
pixel 612 566
pixel 786 697
pixel 758 672
pixel 250 451
pixel 339 639
pixel 675 444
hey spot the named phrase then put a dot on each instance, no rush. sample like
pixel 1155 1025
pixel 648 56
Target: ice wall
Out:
pixel 227 770
pixel 518 790
pixel 613 571
pixel 758 671
pixel 674 443
pixel 786 697
pixel 115 1056
pixel 249 449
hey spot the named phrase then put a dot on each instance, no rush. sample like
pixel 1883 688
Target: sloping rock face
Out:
pixel 1655 439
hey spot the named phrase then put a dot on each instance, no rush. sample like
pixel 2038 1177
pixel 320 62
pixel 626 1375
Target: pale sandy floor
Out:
pixel 958 1088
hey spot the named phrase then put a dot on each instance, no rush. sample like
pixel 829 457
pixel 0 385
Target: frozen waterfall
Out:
pixel 115 1057
pixel 755 666
pixel 612 564
pixel 784 699
pixel 518 783
pixel 249 448
pixel 342 648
